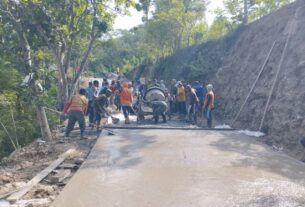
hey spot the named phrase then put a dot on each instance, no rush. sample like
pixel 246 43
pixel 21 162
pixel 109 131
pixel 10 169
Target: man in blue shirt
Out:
pixel 105 88
pixel 200 92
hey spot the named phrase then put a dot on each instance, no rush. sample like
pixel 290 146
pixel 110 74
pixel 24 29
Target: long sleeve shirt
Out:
pixel 77 103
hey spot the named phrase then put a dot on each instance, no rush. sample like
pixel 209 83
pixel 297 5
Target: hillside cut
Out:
pixel 261 83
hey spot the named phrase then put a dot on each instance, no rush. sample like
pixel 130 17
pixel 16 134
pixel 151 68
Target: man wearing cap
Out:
pixel 209 104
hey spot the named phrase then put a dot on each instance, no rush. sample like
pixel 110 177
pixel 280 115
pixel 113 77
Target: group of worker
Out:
pixel 94 102
pixel 187 100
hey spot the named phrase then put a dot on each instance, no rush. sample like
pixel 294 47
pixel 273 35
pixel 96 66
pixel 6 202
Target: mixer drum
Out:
pixel 154 94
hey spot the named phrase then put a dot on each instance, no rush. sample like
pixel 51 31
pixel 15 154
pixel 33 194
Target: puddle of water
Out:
pixel 224 126
pixel 4 203
pixel 251 133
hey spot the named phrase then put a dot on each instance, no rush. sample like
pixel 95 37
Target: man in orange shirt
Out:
pixel 126 101
pixel 77 108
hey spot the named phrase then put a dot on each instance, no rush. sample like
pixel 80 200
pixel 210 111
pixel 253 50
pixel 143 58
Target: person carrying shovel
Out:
pixel 100 105
pixel 76 108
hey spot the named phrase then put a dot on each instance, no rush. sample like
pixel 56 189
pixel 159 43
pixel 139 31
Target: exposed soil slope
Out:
pixel 284 119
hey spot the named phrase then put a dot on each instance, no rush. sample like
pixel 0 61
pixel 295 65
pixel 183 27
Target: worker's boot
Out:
pixel 67 134
pixel 156 118
pixel 164 118
pixel 127 120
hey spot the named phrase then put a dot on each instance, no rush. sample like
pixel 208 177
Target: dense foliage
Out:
pixel 50 42
pixel 170 25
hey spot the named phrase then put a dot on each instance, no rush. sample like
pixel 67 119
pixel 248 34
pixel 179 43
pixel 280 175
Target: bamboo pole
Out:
pixel 5 129
pixel 15 128
pixel 254 84
pixel 292 23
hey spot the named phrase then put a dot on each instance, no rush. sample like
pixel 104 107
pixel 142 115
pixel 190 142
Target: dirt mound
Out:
pixel 280 84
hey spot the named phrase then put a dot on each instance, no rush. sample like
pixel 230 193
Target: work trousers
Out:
pixel 172 106
pixel 90 112
pixel 209 117
pixel 117 102
pixel 182 108
pixel 126 110
pixel 98 117
pixel 192 112
pixel 76 116
pixel 159 110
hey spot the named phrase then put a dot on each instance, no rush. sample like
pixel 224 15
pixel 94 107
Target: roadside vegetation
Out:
pixel 47 45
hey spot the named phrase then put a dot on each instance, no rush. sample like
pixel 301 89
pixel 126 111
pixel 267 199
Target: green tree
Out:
pixel 242 11
pixel 55 33
pixel 172 24
pixel 13 14
pixel 220 26
pixel 260 8
pixel 236 11
pixel 75 26
pixel 145 5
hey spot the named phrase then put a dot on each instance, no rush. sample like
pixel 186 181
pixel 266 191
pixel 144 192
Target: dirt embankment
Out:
pixel 284 73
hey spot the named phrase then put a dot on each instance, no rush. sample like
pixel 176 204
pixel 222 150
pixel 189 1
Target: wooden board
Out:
pixel 8 194
pixel 40 176
pixel 32 202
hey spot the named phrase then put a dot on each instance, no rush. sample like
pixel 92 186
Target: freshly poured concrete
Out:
pixel 176 168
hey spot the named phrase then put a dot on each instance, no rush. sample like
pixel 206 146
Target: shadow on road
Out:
pixel 117 152
pixel 251 153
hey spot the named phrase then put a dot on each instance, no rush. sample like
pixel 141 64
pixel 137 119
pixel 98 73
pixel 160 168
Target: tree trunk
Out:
pixel 43 123
pixel 27 59
pixel 245 12
pixel 63 88
pixel 59 54
pixel 83 63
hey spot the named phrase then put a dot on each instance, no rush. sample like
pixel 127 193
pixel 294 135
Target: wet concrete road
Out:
pixel 176 168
